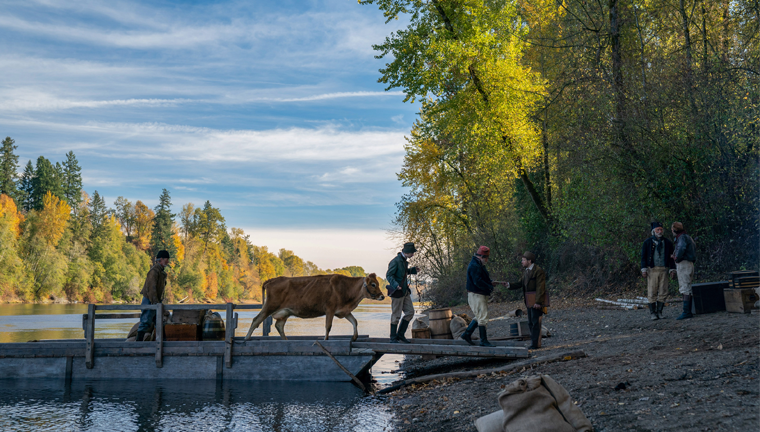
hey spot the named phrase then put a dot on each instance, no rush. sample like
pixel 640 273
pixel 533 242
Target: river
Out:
pixel 187 405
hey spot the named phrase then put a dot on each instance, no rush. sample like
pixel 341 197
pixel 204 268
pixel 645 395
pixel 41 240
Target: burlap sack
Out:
pixel 458 325
pixel 536 404
pixel 419 324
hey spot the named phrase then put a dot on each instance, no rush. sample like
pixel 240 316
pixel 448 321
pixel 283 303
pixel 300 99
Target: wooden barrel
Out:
pixel 440 321
pixel 213 327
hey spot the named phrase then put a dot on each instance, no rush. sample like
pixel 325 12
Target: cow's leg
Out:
pixel 328 323
pixel 281 317
pixel 265 312
pixel 352 320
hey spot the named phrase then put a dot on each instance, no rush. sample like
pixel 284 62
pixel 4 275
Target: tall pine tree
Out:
pixel 26 187
pixel 72 179
pixel 9 169
pixel 98 213
pixel 47 178
pixel 162 226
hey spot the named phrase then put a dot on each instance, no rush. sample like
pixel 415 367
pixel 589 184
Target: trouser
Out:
pixel 657 284
pixel 402 304
pixel 685 270
pixel 479 305
pixel 147 318
pixel 534 325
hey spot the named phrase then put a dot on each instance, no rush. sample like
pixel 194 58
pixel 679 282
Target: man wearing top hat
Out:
pixel 656 264
pixel 400 293
pixel 533 284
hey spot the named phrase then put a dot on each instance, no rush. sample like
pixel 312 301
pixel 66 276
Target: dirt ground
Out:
pixel 699 374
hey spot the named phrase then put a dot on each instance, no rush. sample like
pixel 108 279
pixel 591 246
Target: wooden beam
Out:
pixel 159 335
pixel 353 377
pixel 177 307
pixel 449 350
pixel 89 335
pixel 229 334
pixel 452 342
pixel 113 316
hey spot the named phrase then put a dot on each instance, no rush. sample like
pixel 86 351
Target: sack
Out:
pixel 419 324
pixel 397 292
pixel 457 325
pixel 537 404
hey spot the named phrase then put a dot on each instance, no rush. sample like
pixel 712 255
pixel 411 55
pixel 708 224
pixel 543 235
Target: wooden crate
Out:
pixel 421 333
pixel 188 317
pixel 709 297
pixel 740 300
pixel 182 332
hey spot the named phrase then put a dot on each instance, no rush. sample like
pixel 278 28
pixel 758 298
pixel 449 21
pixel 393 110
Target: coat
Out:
pixel 686 249
pixel 647 253
pixel 155 282
pixel 478 279
pixel 533 281
pixel 398 269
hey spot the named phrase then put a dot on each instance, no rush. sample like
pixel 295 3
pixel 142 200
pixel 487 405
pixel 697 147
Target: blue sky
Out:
pixel 269 109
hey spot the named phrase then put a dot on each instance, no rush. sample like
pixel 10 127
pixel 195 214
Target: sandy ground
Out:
pixel 699 374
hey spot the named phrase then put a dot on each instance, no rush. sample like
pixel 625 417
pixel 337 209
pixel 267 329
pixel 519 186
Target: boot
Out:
pixel 393 333
pixel 468 333
pixel 484 337
pixel 140 336
pixel 653 312
pixel 686 308
pixel 402 326
pixel 659 307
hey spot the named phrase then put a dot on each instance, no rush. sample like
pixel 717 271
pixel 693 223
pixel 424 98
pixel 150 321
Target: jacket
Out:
pixel 647 253
pixel 398 269
pixel 686 249
pixel 478 279
pixel 533 281
pixel 155 282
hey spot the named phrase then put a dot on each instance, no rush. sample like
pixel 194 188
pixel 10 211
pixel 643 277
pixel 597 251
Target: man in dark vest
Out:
pixel 400 293
pixel 479 288
pixel 533 284
pixel 684 254
pixel 153 293
pixel 656 264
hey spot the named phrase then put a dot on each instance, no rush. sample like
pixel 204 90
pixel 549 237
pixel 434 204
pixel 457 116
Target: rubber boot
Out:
pixel 140 336
pixel 467 335
pixel 484 337
pixel 393 333
pixel 402 326
pixel 686 308
pixel 660 305
pixel 653 311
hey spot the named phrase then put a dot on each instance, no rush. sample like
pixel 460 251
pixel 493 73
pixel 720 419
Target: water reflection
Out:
pixel 188 406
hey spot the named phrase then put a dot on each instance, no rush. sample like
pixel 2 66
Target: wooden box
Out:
pixel 733 277
pixel 421 333
pixel 188 317
pixel 182 332
pixel 740 300
pixel 519 328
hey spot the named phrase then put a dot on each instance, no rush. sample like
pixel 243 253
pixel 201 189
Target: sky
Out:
pixel 270 110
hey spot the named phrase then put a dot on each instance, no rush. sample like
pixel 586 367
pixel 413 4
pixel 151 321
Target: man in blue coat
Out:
pixel 479 288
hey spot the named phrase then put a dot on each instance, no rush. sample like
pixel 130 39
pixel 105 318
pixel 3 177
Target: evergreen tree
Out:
pixel 26 187
pixel 8 168
pixel 98 213
pixel 162 226
pixel 47 178
pixel 72 179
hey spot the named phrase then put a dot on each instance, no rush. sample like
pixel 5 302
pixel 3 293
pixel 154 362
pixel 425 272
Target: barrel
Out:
pixel 213 327
pixel 440 321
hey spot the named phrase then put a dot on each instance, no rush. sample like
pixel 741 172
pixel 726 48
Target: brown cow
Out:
pixel 314 296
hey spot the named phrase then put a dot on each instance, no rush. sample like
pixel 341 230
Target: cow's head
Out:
pixel 373 287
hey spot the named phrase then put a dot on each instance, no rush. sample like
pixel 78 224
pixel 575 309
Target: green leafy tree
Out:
pixel 9 169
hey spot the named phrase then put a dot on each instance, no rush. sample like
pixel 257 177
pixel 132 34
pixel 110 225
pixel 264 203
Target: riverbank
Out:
pixel 696 374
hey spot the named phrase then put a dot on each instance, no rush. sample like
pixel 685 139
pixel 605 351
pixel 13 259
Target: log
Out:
pixel 470 374
pixel 353 377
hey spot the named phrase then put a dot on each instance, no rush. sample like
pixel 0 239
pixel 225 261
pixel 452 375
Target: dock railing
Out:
pixel 231 320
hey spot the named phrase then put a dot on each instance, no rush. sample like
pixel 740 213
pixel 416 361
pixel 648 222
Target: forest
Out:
pixel 567 127
pixel 58 243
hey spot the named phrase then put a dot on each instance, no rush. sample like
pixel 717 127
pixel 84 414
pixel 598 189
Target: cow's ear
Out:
pixel 372 275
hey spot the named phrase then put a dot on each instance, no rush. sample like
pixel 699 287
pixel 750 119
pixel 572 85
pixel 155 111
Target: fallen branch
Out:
pixel 353 377
pixel 571 355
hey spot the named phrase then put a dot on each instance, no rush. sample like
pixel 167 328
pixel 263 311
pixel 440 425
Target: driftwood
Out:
pixel 571 355
pixel 353 377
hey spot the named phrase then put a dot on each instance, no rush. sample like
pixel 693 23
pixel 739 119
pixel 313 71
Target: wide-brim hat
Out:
pixel 163 254
pixel 409 248
pixel 529 256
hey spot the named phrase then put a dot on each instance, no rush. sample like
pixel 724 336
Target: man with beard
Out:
pixel 656 264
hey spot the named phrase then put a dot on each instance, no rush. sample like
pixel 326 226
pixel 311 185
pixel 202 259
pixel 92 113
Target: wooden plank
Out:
pixel 300 338
pixel 90 335
pixel 450 350
pixel 159 335
pixel 179 307
pixel 230 333
pixel 343 368
pixel 127 307
pixel 112 316
pixel 456 342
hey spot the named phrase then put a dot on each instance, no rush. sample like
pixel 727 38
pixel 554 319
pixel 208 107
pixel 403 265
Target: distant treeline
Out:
pixel 59 243
pixel 566 127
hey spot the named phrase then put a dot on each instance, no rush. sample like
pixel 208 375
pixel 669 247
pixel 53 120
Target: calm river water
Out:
pixel 186 405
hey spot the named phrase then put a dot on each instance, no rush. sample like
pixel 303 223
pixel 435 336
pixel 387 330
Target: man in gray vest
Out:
pixel 656 264
pixel 400 293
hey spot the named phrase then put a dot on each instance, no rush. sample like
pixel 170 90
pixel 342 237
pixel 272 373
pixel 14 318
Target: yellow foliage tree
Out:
pixel 9 212
pixel 52 218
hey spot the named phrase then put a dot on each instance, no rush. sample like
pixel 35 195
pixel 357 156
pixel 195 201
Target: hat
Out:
pixel 656 224
pixel 409 248
pixel 530 256
pixel 677 227
pixel 483 251
pixel 163 254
